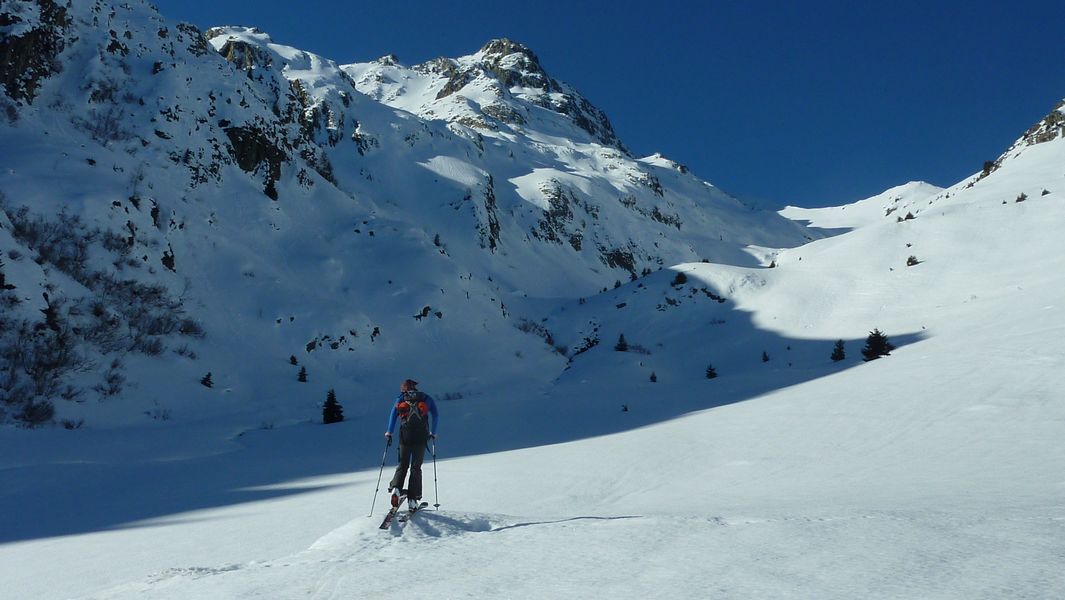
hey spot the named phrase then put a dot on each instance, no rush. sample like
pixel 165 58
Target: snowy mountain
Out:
pixel 933 472
pixel 569 464
pixel 219 203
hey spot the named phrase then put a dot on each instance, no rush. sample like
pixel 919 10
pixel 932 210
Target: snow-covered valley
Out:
pixel 565 468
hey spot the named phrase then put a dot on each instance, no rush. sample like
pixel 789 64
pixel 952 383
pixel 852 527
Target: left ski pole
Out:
pixel 384 456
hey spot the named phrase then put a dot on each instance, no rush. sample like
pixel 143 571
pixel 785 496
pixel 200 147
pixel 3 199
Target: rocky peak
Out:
pixel 1049 128
pixel 244 55
pixel 515 65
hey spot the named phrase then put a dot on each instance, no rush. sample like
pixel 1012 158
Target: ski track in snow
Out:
pixel 466 555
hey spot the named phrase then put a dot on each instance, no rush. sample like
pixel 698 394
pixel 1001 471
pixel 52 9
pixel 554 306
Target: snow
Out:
pixel 457 170
pixel 865 212
pixel 935 472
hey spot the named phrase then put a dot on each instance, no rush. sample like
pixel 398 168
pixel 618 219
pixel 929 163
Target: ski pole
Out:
pixel 436 489
pixel 384 456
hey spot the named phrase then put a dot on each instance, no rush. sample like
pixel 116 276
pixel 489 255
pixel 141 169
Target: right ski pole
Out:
pixel 384 456
pixel 436 489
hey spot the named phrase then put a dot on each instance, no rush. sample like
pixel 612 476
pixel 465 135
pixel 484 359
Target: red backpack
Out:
pixel 413 413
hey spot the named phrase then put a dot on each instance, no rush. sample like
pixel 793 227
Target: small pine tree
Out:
pixel 711 373
pixel 622 345
pixel 765 356
pixel 654 378
pixel 292 360
pixel 332 411
pixel 302 377
pixel 206 381
pixel 876 345
pixel 837 351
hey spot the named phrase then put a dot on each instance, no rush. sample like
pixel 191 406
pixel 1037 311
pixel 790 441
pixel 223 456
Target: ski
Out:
pixel 410 513
pixel 397 501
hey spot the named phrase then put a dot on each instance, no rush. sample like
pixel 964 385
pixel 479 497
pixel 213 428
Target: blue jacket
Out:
pixel 433 423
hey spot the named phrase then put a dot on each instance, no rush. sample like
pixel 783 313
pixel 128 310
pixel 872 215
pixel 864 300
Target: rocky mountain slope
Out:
pixel 177 204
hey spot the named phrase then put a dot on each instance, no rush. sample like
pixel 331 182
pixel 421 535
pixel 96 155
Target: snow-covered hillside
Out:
pixel 221 203
pixel 934 472
pixel 566 468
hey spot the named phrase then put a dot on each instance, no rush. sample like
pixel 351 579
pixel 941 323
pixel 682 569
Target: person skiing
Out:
pixel 412 408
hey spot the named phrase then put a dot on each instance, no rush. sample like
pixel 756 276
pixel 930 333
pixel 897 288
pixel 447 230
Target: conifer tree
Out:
pixel 206 381
pixel 332 411
pixel 654 378
pixel 837 351
pixel 765 356
pixel 622 345
pixel 302 377
pixel 876 345
pixel 292 360
pixel 711 373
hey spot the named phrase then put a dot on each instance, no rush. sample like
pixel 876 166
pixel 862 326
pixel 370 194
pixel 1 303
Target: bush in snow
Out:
pixel 680 279
pixel 110 315
pixel 912 260
pixel 876 345
pixel 113 380
pixel 35 360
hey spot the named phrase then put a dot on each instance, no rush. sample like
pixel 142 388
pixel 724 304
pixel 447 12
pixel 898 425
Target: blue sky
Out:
pixel 807 103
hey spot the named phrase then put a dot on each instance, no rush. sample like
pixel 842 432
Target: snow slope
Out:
pixel 935 472
pixel 932 473
pixel 221 203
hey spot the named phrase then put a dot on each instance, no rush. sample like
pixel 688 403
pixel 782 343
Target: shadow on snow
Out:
pixel 56 483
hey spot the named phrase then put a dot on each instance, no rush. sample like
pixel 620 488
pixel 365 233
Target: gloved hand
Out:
pixel 388 436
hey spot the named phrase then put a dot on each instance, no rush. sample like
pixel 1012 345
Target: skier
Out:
pixel 413 409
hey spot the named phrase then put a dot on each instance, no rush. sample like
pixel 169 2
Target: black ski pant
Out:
pixel 410 457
